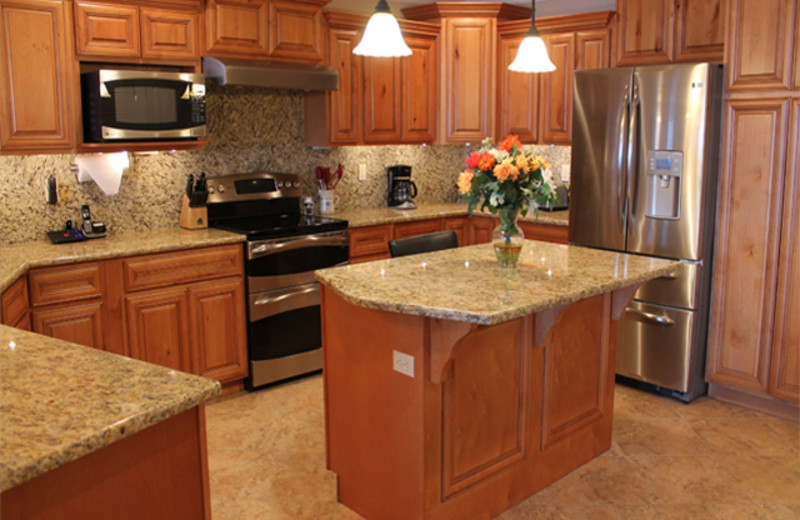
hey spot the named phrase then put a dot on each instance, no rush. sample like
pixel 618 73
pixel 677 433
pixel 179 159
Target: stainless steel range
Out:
pixel 284 247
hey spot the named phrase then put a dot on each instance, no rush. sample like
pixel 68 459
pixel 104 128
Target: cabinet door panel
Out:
pixel 481 229
pixel 82 324
pixel 370 241
pixel 557 90
pixel 745 268
pixel 295 31
pixel 37 73
pixel 237 27
pixel 460 225
pixel 592 49
pixel 546 232
pixel 419 227
pixel 382 99
pixel 106 30
pixel 517 97
pixel 218 335
pixel 169 34
pixel 469 87
pixel 419 90
pixel 645 32
pixel 785 369
pixel 14 302
pixel 158 327
pixel 699 30
pixel 759 44
pixel 345 103
pixel 65 283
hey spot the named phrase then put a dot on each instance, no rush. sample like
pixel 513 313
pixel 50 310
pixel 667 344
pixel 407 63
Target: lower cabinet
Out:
pixel 158 327
pixel 80 323
pixel 545 232
pixel 480 229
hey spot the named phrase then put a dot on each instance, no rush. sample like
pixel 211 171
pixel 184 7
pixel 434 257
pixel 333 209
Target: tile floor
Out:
pixel 707 460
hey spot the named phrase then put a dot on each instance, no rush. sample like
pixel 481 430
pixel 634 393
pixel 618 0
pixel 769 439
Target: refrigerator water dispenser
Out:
pixel 664 173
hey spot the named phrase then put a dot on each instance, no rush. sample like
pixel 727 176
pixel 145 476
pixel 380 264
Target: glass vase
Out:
pixel 507 239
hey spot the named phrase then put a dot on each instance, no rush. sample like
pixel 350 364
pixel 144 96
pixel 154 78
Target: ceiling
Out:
pixel 543 7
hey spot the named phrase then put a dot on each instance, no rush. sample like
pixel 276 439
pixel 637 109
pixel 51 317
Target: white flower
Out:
pixel 547 176
pixel 496 199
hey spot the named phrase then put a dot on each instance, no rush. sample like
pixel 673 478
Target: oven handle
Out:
pixel 263 249
pixel 277 302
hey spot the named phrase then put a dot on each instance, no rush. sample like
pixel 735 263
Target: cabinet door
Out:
pixel 593 49
pixel 468 87
pixel 419 91
pixel 759 52
pixel 382 100
pixel 106 30
pixel 481 229
pixel 517 96
pixel 237 28
pixel 699 30
pixel 169 34
pixel 745 270
pixel 78 323
pixel 556 92
pixel 419 227
pixel 461 226
pixel 346 116
pixel 14 302
pixel 37 75
pixel 295 31
pixel 158 327
pixel 218 336
pixel 785 362
pixel 370 243
pixel 645 31
pixel 545 232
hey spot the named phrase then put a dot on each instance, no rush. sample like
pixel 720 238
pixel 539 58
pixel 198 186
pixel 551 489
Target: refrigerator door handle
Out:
pixel 622 166
pixel 661 319
pixel 633 154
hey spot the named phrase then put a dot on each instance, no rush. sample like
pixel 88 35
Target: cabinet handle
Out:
pixel 661 319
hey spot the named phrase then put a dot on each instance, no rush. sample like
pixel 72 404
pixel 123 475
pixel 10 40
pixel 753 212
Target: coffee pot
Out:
pixel 401 188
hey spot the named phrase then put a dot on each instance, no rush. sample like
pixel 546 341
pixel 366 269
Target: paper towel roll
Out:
pixel 104 169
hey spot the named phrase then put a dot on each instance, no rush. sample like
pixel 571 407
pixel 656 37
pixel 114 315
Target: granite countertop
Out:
pixel 60 401
pixel 376 216
pixel 465 284
pixel 16 259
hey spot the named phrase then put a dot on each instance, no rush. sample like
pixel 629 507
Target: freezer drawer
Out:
pixel 655 345
pixel 677 290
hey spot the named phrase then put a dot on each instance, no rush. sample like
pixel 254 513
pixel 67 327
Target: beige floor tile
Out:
pixel 765 479
pixel 647 435
pixel 745 435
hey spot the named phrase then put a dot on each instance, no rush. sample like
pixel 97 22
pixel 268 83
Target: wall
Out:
pixel 250 130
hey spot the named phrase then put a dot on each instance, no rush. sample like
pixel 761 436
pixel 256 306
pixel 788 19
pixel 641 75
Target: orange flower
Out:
pixel 465 181
pixel 509 142
pixel 522 162
pixel 506 170
pixel 486 162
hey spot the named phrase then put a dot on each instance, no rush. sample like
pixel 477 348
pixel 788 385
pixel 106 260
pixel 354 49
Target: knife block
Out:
pixel 193 218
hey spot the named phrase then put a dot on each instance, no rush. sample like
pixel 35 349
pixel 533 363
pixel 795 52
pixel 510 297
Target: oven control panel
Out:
pixel 253 186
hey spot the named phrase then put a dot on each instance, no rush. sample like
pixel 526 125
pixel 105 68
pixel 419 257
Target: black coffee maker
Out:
pixel 401 188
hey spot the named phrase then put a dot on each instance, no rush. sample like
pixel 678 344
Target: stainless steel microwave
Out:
pixel 135 105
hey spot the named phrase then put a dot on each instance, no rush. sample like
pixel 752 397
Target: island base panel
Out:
pixel 503 419
pixel 160 472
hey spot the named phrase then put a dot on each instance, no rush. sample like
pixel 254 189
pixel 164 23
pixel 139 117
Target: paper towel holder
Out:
pixel 105 169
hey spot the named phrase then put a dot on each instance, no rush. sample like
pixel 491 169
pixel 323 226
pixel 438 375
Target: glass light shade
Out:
pixel 382 38
pixel 532 57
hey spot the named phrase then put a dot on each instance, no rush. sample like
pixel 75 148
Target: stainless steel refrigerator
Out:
pixel 645 144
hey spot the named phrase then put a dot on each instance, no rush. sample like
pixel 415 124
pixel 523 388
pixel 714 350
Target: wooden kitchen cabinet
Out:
pixel 517 93
pixel 295 30
pixel 699 30
pixel 169 34
pixel 760 39
pixel 344 121
pixel 14 305
pixel 460 225
pixel 419 88
pixel 556 103
pixel 480 229
pixel 80 323
pixel 383 109
pixel 158 327
pixel 38 76
pixel 545 232
pixel 417 227
pixel 370 243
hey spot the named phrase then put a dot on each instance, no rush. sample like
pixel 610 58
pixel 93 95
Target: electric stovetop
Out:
pixel 277 226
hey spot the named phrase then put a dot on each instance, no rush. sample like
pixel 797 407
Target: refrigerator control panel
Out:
pixel 664 175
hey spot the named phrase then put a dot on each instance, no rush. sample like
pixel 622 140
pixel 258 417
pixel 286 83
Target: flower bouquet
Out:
pixel 508 181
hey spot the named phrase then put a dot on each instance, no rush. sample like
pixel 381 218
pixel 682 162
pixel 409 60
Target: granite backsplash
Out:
pixel 250 129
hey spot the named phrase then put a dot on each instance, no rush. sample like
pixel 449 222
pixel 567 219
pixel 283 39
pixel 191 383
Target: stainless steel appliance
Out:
pixel 401 188
pixel 644 166
pixel 129 105
pixel 283 248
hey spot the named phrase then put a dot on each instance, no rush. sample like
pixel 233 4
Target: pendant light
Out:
pixel 382 37
pixel 532 53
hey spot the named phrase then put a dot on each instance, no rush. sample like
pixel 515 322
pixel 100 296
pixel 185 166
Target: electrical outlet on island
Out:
pixel 403 363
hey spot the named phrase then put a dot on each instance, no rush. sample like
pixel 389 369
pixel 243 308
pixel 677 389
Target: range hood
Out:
pixel 270 74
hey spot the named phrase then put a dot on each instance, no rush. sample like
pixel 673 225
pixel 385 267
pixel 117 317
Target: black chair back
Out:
pixel 423 243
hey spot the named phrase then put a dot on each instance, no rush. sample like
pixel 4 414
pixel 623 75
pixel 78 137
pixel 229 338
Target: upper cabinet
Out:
pixel 124 32
pixel 574 42
pixel 38 76
pixel 759 52
pixel 468 65
pixel 662 31
pixel 380 100
pixel 276 29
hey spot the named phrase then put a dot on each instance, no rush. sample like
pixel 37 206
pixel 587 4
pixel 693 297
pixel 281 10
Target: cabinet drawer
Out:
pixel 65 283
pixel 14 302
pixel 106 30
pixel 159 270
pixel 371 240
pixel 420 227
pixel 546 232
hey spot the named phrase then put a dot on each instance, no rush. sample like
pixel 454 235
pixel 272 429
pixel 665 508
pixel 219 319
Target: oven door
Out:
pixel 284 262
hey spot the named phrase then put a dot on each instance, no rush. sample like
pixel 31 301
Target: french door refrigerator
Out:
pixel 645 143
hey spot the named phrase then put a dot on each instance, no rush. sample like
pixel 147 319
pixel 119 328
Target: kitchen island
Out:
pixel 89 434
pixel 456 389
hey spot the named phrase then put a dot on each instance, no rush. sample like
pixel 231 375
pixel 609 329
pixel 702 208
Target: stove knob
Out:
pixel 295 184
pixel 211 190
pixel 221 188
pixel 280 184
